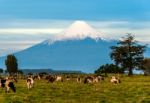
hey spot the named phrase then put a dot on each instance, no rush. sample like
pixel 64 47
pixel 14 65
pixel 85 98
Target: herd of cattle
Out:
pixel 9 82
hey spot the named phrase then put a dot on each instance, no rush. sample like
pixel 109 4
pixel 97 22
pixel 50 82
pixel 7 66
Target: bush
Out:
pixel 109 68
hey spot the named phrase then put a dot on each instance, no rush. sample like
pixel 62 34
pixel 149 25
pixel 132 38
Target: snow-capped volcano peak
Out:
pixel 77 30
pixel 80 29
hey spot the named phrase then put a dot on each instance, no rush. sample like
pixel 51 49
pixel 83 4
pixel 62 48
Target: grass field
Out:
pixel 134 89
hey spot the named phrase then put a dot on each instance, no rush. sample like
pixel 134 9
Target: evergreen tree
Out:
pixel 11 64
pixel 128 53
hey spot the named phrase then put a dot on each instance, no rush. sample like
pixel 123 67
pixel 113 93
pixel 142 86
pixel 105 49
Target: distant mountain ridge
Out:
pixel 50 71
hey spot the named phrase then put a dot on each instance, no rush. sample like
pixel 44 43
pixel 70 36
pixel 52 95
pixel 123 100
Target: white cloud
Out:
pixel 29 31
pixel 141 35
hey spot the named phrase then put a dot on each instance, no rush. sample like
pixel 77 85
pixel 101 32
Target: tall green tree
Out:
pixel 11 64
pixel 128 53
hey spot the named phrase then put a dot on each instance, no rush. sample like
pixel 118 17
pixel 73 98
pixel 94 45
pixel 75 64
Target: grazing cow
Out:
pixel 50 78
pixel 7 84
pixel 30 82
pixel 115 80
pixel 88 79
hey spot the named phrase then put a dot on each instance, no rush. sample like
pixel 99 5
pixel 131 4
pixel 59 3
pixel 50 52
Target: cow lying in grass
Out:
pixel 115 80
pixel 7 84
pixel 30 82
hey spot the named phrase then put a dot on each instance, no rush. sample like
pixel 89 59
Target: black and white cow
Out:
pixel 7 84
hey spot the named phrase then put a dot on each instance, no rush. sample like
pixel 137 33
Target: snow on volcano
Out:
pixel 77 30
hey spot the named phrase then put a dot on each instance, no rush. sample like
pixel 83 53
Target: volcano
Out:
pixel 78 48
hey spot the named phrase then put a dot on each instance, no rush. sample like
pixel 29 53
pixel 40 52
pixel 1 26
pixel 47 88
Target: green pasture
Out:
pixel 135 89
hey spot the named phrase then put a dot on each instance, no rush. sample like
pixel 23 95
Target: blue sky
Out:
pixel 75 9
pixel 24 23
